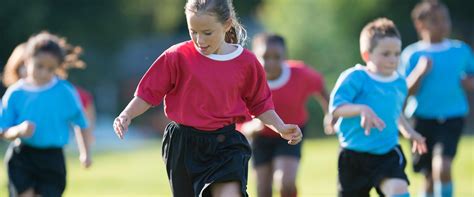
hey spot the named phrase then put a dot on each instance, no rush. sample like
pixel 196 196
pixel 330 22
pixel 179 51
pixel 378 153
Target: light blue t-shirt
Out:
pixel 385 95
pixel 440 94
pixel 53 108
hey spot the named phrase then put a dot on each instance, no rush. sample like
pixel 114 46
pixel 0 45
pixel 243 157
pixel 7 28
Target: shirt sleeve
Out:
pixel 78 116
pixel 407 63
pixel 158 80
pixel 8 116
pixel 315 80
pixel 257 94
pixel 347 87
pixel 469 61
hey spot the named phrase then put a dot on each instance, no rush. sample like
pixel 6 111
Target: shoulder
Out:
pixel 182 48
pixel 458 44
pixel 357 72
pixel 301 68
pixel 13 90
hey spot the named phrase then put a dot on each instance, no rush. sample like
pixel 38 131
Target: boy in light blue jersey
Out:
pixel 368 100
pixel 37 114
pixel 439 71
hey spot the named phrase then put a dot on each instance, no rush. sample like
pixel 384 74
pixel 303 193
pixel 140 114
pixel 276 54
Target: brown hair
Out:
pixel 376 30
pixel 268 38
pixel 224 11
pixel 426 8
pixel 67 54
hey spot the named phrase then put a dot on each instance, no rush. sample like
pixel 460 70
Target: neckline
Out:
pixel 282 79
pixel 379 78
pixel 224 57
pixel 36 88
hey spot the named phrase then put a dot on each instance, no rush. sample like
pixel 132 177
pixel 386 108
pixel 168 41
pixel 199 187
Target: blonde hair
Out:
pixel 376 30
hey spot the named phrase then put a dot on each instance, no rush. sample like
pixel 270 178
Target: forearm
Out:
pixel 413 81
pixel 323 100
pixel 468 83
pixel 404 127
pixel 136 107
pixel 348 110
pixel 83 137
pixel 271 119
pixel 11 133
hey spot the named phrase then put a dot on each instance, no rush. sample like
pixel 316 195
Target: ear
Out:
pixel 365 56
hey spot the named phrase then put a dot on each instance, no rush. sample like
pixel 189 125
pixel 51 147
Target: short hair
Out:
pixel 376 30
pixel 426 8
pixel 268 38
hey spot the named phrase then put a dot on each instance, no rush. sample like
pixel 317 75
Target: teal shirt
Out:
pixel 53 108
pixel 440 94
pixel 384 95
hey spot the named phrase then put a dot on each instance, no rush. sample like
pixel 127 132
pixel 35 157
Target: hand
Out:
pixel 85 160
pixel 329 121
pixel 424 65
pixel 292 133
pixel 419 144
pixel 369 120
pixel 26 129
pixel 121 125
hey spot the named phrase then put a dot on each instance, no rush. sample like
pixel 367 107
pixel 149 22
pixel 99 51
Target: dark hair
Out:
pixel 426 8
pixel 67 54
pixel 376 30
pixel 268 38
pixel 224 11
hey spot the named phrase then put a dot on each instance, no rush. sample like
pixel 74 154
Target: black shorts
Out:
pixel 265 149
pixel 44 170
pixel 359 172
pixel 442 138
pixel 196 159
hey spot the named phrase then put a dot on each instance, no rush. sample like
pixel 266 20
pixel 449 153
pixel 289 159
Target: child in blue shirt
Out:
pixel 37 113
pixel 437 68
pixel 368 100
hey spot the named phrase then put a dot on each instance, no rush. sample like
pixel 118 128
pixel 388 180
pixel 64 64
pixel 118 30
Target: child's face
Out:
pixel 271 56
pixel 438 25
pixel 206 32
pixel 41 67
pixel 385 55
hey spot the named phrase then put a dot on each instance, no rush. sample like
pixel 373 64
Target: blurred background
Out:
pixel 121 38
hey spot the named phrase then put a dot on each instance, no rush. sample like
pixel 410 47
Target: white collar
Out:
pixel 36 88
pixel 282 79
pixel 377 77
pixel 436 47
pixel 224 57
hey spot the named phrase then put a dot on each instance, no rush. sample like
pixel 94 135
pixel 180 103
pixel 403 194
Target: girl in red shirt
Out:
pixel 207 84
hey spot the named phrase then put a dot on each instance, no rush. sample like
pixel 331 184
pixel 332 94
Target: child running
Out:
pixel 437 68
pixel 37 112
pixel 207 84
pixel 368 100
pixel 273 159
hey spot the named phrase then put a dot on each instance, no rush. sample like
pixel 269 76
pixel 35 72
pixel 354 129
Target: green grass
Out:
pixel 140 172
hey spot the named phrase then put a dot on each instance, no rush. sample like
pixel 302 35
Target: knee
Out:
pixel 394 187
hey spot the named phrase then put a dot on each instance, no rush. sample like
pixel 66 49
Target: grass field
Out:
pixel 140 172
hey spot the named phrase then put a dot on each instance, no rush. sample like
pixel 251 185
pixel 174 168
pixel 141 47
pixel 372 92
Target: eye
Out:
pixel 207 33
pixel 193 32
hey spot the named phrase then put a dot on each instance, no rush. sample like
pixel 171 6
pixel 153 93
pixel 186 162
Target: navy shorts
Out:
pixel 196 159
pixel 44 170
pixel 359 172
pixel 442 138
pixel 265 149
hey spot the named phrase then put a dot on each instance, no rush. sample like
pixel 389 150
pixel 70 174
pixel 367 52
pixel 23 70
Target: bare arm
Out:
pixel 408 132
pixel 369 119
pixel 24 129
pixel 468 83
pixel 414 78
pixel 290 132
pixel 135 108
pixel 83 137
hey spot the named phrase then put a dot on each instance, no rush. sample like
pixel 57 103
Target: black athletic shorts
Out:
pixel 42 169
pixel 265 149
pixel 359 172
pixel 442 138
pixel 196 159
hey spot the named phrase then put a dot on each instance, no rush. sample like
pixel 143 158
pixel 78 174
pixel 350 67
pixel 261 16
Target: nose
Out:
pixel 200 40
